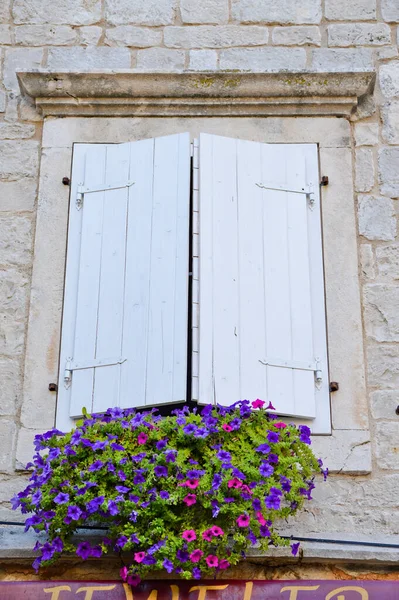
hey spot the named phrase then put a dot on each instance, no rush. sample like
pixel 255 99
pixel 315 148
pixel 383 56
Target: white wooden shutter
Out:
pixel 262 327
pixel 124 331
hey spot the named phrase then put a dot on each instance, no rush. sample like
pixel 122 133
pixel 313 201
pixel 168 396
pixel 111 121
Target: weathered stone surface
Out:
pixel 388 261
pixel 296 36
pixel 390 10
pixel 387 444
pixel 203 60
pixel 25 447
pixel 11 165
pixel 2 101
pixel 282 12
pixel 383 366
pixel 355 10
pixel 367 261
pixel 365 175
pixel 7 444
pixel 27 110
pixel 271 60
pixel 381 312
pixel 341 60
pixel 366 107
pixel 20 58
pixel 161 59
pixel 89 58
pixel 390 119
pixel 387 52
pixel 376 218
pixel 384 404
pixel 4 10
pixel 359 34
pixel 11 386
pixel 389 79
pixel 17 195
pixel 57 12
pixel 9 486
pixel 14 289
pixel 150 12
pixel 15 131
pixel 41 35
pixel 90 35
pixel 129 35
pixel 15 240
pixel 366 134
pixel 206 11
pixel 347 451
pixel 366 492
pixel 388 171
pixel 5 35
pixel 211 36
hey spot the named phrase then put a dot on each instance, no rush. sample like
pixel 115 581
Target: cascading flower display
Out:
pixel 211 482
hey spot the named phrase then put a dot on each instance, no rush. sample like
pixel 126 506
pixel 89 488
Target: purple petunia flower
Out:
pixel 215 508
pixel 196 573
pixel 61 498
pixel 285 483
pixel 217 481
pixel 122 489
pixel 273 437
pixel 36 497
pixel 170 456
pixel 96 466
pixel 138 478
pixel 229 499
pixel 168 565
pixel 182 555
pixel 94 504
pixel 263 448
pixel 266 470
pixel 84 550
pixel 121 542
pixel 164 495
pixel 117 447
pixel 294 549
pixel 74 513
pixel 149 560
pixel 161 471
pixel 113 508
pixel 273 502
pixel 273 458
pixel 161 444
pixel 224 456
pixel 190 429
pixel 99 445
pixel 256 504
pixel 252 537
pixel 264 531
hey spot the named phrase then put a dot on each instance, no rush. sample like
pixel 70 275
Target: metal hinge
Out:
pixel 82 190
pixel 90 364
pixel 307 190
pixel 294 364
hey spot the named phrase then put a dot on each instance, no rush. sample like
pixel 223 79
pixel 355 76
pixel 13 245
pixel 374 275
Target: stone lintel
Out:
pixel 129 93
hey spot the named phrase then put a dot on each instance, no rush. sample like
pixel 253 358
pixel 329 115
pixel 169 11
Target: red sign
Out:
pixel 203 590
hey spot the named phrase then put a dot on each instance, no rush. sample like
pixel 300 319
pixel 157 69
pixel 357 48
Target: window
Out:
pixel 258 310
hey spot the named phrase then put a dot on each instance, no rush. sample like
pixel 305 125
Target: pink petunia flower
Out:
pixel 280 425
pixel 142 438
pixel 212 561
pixel 224 564
pixel 189 535
pixel 192 483
pixel 123 573
pixel 234 483
pixel 246 489
pixel 260 518
pixel 243 521
pixel 190 499
pixel 207 535
pixel 258 403
pixel 196 556
pixel 270 406
pixel 133 580
pixel 227 427
pixel 217 531
pixel 139 557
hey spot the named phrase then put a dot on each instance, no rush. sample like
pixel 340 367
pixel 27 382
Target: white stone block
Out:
pixel 347 451
pixel 90 35
pixel 150 12
pixel 161 59
pixel 297 36
pixel 377 219
pixel 7 444
pixel 25 448
pixel 383 366
pixel 2 101
pixel 4 10
pixel 383 406
pixel 17 195
pixel 5 35
pixel 9 486
pixel 359 34
pixel 367 261
pixel 11 386
pixel 390 11
pixel 11 165
pixel 27 110
pixel 390 120
pixel 389 79
pixel 388 166
pixel 282 11
pixel 89 58
pixel 212 36
pixel 16 240
pixel 271 60
pixel 387 52
pixel 20 58
pixel 204 12
pixel 387 259
pixel 14 289
pixel 203 60
pixel 42 35
pixel 366 134
pixel 341 60
pixel 137 37
pixel 57 12
pixel 364 166
pixel 16 131
pixel 387 444
pixel 350 10
pixel 381 312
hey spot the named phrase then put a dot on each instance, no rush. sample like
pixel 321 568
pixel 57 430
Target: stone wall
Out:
pixel 263 35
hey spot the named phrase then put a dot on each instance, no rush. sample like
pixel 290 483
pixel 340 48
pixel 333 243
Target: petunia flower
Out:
pixel 294 549
pixel 190 499
pixel 273 502
pixel 212 561
pixel 163 495
pixel 133 580
pixel 168 565
pixel 142 438
pixel 84 550
pixel 196 556
pixel 263 448
pixel 217 531
pixel 189 535
pixel 196 573
pixel 234 483
pixel 273 437
pixel 161 471
pixel 139 556
pixel 280 425
pixel 258 403
pixel 224 564
pixel 74 513
pixel 182 555
pixel 260 518
pixel 61 498
pixel 243 521
pixel 266 470
pixel 270 407
pixel 123 573
pixel 192 484
pixel 207 535
pixel 227 427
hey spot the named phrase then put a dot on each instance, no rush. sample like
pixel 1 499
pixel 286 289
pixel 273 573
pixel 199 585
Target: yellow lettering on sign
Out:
pixel 295 589
pixel 351 588
pixel 128 591
pixel 56 591
pixel 93 588
pixel 202 589
pixel 175 592
pixel 248 590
